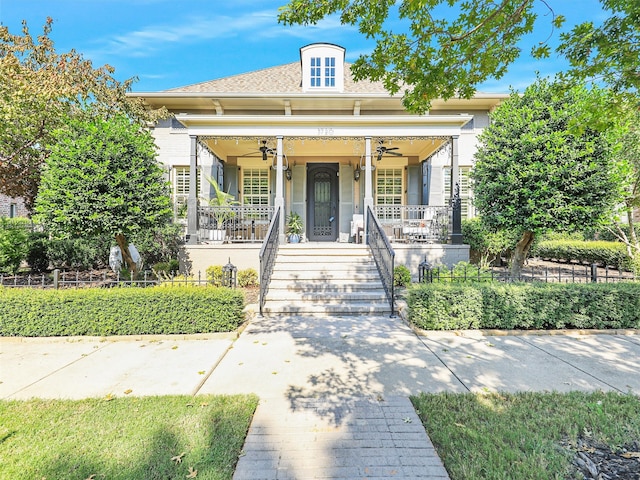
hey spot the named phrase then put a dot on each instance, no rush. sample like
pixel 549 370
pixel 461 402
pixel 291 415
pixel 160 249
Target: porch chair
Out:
pixel 421 230
pixel 357 227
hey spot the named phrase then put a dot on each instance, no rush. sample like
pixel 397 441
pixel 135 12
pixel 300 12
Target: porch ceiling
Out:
pixel 232 148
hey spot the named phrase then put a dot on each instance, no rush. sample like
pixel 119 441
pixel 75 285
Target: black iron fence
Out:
pixel 383 255
pixel 234 224
pixel 62 279
pixel 547 274
pixel 415 223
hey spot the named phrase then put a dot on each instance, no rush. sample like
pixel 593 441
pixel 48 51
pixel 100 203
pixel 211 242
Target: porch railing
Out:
pixel 268 254
pixel 383 255
pixel 234 224
pixel 415 223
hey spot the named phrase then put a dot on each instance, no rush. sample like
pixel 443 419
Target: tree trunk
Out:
pixel 124 249
pixel 520 254
pixel 633 239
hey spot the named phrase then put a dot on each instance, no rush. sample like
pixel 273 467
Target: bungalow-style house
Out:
pixel 306 138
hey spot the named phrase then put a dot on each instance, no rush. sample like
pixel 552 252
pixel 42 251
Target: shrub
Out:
pixel 13 245
pixel 79 253
pixel 214 275
pixel 160 245
pixel 37 256
pixel 401 276
pixel 166 269
pixel 613 254
pixel 524 306
pixel 119 311
pixel 487 243
pixel 247 278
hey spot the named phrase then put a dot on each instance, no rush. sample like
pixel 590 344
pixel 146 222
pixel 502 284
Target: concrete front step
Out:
pixel 312 308
pixel 335 286
pixel 326 297
pixel 315 274
pixel 327 279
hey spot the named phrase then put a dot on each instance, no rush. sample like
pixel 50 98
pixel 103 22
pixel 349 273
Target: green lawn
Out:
pixel 521 436
pixel 124 438
pixel 478 436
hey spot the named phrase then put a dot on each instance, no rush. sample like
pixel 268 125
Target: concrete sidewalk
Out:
pixel 333 391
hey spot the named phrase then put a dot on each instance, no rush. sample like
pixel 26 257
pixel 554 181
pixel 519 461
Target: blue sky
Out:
pixel 169 43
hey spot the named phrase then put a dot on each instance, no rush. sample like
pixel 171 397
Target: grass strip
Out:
pixel 166 437
pixel 518 436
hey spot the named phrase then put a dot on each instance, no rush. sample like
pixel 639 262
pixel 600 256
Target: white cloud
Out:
pixel 153 38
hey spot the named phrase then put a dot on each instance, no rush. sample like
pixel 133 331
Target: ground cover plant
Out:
pixel 525 435
pixel 167 437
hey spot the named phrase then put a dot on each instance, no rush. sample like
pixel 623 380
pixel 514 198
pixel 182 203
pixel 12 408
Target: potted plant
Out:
pixel 294 227
pixel 221 210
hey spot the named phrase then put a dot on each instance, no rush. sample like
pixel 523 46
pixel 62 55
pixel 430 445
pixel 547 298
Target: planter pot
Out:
pixel 217 235
pixel 294 238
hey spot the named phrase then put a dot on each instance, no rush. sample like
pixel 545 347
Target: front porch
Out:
pixel 405 224
pixel 410 182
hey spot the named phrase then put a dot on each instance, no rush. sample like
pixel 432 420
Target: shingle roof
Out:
pixel 283 79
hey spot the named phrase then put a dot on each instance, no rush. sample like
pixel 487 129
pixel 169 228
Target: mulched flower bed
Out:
pixel 597 461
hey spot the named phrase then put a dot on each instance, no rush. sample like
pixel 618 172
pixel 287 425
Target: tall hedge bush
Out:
pixel 524 306
pixel 613 254
pixel 119 311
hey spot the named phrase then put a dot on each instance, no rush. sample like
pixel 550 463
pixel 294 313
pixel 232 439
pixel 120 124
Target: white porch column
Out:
pixel 192 200
pixel 456 233
pixel 368 180
pixel 279 198
pixel 455 169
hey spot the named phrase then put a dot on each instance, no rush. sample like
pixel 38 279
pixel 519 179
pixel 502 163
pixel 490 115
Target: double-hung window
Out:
pixel 255 186
pixel 330 72
pixel 389 190
pixel 316 72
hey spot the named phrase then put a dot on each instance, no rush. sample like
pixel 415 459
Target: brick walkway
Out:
pixel 358 438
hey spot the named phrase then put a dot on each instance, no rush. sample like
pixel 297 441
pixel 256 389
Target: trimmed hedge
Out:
pixel 524 306
pixel 613 254
pixel 119 311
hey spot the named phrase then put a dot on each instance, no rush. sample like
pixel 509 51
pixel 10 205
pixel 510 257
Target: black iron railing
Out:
pixel 415 223
pixel 383 255
pixel 268 254
pixel 545 274
pixel 234 224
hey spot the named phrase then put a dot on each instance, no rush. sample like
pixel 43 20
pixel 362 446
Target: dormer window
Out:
pixel 316 71
pixel 322 67
pixel 329 77
pixel 330 72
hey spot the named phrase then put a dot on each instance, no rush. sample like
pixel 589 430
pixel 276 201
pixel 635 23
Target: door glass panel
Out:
pixel 322 205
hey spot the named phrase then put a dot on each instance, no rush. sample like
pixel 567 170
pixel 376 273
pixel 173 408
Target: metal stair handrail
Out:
pixel 383 255
pixel 268 253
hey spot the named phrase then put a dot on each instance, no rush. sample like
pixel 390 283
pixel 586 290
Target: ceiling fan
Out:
pixel 381 150
pixel 264 150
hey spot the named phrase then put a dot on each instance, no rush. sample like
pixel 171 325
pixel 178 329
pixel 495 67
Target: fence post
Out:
pixel 456 216
pixel 56 279
pixel 594 273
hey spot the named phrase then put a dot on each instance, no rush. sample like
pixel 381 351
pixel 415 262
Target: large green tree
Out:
pixel 39 90
pixel 540 165
pixel 628 155
pixel 608 53
pixel 446 48
pixel 102 177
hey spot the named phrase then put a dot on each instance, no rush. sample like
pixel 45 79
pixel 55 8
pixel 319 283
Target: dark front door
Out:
pixel 322 202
